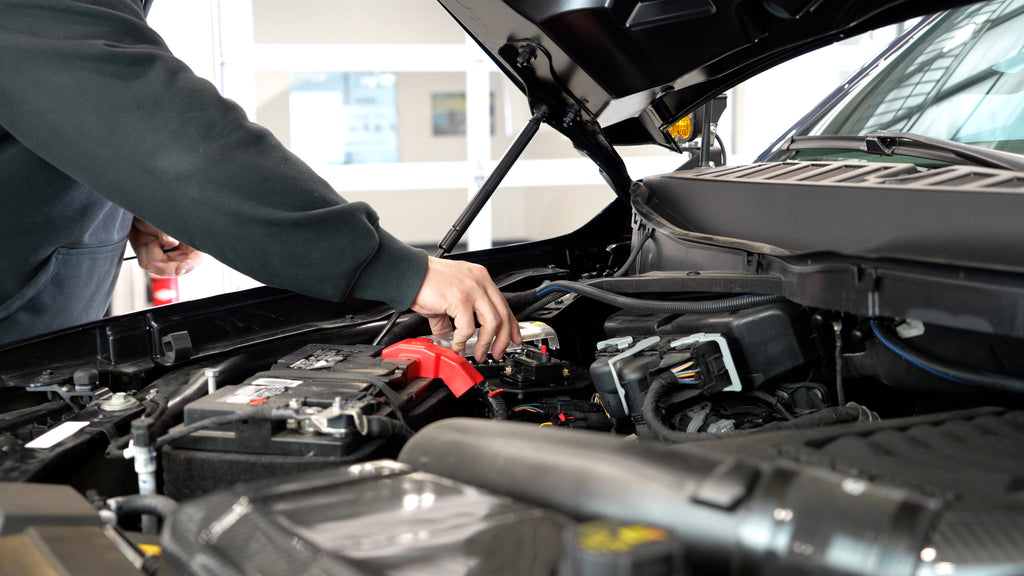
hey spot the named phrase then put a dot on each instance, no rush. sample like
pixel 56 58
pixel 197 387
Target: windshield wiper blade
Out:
pixel 886 143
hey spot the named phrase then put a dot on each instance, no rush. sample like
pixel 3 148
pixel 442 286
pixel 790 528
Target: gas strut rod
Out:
pixel 451 239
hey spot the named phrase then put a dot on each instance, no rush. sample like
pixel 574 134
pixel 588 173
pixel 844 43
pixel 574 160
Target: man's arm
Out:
pixel 88 86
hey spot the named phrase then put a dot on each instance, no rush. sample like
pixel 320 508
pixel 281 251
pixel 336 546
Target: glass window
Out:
pixel 344 118
pixel 963 81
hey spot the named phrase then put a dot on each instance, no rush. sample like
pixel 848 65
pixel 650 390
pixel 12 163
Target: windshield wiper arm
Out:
pixel 886 143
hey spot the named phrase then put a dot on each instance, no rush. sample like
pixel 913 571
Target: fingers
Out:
pixel 167 242
pixel 441 325
pixel 506 326
pixel 193 258
pixel 490 327
pixel 465 327
pixel 176 262
pixel 465 292
pixel 144 232
pixel 160 253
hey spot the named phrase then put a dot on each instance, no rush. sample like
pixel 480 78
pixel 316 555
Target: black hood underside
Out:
pixel 619 72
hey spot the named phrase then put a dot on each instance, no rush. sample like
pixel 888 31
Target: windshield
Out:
pixel 961 79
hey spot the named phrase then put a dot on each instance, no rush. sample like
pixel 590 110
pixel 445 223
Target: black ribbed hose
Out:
pixel 662 384
pixel 132 504
pixel 664 307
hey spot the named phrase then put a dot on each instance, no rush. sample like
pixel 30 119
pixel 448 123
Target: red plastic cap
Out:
pixel 433 361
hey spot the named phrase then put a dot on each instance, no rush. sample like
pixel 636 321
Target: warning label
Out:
pixel 321 359
pixel 260 390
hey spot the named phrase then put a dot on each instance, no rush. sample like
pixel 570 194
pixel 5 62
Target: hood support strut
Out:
pixel 451 239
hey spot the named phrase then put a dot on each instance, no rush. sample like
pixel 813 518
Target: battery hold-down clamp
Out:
pixel 434 361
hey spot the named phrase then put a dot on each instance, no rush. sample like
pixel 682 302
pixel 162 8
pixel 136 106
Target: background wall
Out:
pixel 256 51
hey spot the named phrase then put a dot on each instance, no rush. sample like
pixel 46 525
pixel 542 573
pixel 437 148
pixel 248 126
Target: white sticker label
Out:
pixel 276 382
pixel 51 438
pixel 260 390
pixel 322 358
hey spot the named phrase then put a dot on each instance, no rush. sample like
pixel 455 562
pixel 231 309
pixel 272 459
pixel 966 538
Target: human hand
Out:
pixel 159 254
pixel 465 292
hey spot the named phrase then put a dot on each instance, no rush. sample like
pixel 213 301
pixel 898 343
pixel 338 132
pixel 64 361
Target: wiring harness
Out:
pixel 951 372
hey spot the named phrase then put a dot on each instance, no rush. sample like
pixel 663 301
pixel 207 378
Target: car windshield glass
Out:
pixel 961 80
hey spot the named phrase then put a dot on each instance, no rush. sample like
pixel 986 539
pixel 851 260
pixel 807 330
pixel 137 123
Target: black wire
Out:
pixel 395 401
pixel 156 406
pixel 722 146
pixel 552 72
pixel 953 373
pixel 658 306
pixel 381 427
pixel 258 414
pixel 544 301
pixel 387 327
pixel 499 411
pixel 633 254
pixel 773 402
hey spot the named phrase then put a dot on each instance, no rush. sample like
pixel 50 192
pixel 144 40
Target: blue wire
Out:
pixel 541 292
pixel 892 348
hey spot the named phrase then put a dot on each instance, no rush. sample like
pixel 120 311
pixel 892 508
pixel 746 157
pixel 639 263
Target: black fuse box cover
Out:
pixel 766 342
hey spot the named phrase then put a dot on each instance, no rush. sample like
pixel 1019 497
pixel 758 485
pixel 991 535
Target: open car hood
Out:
pixel 618 72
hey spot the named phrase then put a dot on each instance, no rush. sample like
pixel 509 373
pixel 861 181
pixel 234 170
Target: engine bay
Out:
pixel 742 404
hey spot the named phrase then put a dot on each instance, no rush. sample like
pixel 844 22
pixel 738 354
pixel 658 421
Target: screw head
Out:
pixel 119 402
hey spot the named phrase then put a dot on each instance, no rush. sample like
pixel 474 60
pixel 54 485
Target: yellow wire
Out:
pixel 597 398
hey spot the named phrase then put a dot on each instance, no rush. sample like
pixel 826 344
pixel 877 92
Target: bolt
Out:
pixel 528 53
pixel 211 380
pixel 119 402
pixel 306 427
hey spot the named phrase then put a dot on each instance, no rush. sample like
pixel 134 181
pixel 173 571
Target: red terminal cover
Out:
pixel 433 361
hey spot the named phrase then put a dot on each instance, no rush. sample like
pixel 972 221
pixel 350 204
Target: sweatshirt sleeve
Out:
pixel 91 88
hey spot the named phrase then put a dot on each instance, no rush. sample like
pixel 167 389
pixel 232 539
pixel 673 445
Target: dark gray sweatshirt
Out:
pixel 99 121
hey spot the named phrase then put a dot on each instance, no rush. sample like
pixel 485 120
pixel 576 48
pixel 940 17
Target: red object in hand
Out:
pixel 433 361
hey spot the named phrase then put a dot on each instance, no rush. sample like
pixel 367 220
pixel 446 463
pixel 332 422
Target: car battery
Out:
pixel 310 380
pixel 330 389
